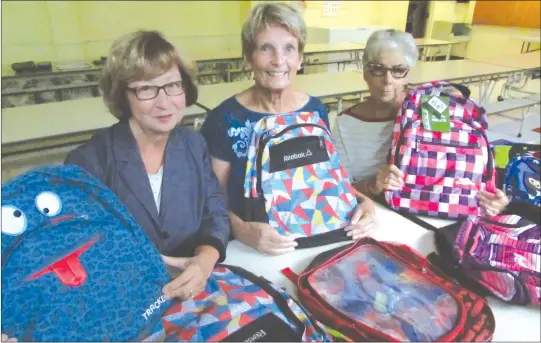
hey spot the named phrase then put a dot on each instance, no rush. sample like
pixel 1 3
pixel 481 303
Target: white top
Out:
pixel 156 186
pixel 362 145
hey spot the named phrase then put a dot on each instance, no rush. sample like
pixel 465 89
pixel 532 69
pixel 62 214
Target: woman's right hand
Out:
pixel 5 338
pixel 264 238
pixel 388 177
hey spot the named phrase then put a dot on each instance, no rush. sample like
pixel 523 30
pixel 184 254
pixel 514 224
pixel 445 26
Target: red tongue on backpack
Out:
pixel 69 269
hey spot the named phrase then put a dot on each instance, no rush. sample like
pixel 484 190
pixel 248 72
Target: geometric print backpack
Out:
pixel 237 306
pixel 295 181
pixel 75 264
pixel 439 143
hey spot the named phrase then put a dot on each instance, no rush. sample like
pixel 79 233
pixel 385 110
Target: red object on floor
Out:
pixel 537 130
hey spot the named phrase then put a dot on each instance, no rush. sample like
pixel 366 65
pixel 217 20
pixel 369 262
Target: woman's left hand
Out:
pixel 493 204
pixel 363 219
pixel 191 281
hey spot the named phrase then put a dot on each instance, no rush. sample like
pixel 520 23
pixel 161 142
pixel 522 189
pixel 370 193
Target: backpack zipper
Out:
pixel 401 140
pixel 419 141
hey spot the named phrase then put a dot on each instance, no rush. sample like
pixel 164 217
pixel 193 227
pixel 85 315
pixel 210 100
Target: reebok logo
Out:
pixel 156 305
pixel 257 336
pixel 293 157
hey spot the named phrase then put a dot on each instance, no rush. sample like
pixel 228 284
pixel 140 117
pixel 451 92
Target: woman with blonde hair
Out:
pixel 273 39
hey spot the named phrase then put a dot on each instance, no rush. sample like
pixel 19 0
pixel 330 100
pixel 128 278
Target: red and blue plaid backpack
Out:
pixel 501 255
pixel 444 171
pixel 382 291
pixel 295 181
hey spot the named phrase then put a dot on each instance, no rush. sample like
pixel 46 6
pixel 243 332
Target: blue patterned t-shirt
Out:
pixel 227 131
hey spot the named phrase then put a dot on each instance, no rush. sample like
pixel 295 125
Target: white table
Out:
pixel 40 125
pixel 232 55
pixel 330 48
pixel 461 71
pixel 320 85
pixel 513 323
pixel 351 82
pixel 526 41
pixel 426 45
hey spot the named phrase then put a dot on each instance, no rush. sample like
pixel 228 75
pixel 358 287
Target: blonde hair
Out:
pixel 142 55
pixel 265 15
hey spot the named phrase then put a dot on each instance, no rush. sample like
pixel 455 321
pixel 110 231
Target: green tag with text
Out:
pixel 435 113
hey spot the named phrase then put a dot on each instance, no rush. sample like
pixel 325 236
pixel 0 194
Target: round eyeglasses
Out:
pixel 149 92
pixel 398 72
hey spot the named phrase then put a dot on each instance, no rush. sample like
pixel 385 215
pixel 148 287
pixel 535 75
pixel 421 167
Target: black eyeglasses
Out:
pixel 398 72
pixel 150 92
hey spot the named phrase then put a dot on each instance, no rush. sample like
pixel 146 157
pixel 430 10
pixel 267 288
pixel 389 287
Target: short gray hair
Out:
pixel 384 40
pixel 265 15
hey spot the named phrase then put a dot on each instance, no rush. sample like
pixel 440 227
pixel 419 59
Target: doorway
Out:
pixel 417 17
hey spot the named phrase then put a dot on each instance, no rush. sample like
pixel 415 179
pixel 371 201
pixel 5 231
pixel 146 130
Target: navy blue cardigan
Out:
pixel 193 211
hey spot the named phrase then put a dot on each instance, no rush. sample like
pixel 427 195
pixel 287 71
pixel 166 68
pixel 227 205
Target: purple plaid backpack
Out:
pixel 439 143
pixel 502 255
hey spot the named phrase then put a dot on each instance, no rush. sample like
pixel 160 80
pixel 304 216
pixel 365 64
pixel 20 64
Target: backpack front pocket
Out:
pixel 385 297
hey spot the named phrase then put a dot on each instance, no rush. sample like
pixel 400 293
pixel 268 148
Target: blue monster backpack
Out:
pixel 75 265
pixel 522 182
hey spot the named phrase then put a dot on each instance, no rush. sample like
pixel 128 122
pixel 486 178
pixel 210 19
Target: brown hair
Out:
pixel 142 55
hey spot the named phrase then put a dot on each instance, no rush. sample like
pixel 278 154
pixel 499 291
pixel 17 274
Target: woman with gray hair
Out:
pixel 363 133
pixel 388 57
pixel 273 39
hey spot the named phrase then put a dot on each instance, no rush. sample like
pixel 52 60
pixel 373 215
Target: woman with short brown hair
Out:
pixel 160 170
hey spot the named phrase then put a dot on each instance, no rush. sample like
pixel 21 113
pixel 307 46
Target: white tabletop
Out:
pixel 427 42
pixel 528 38
pixel 332 47
pixel 513 323
pixel 528 60
pixel 454 70
pixel 211 53
pixel 319 85
pixel 31 122
pixel 329 84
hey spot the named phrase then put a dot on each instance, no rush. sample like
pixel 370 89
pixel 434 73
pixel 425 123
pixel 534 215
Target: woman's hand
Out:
pixel 195 273
pixel 388 177
pixel 491 203
pixel 267 240
pixel 363 220
pixel 5 338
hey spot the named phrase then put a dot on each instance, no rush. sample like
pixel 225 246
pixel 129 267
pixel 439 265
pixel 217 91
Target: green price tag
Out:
pixel 435 113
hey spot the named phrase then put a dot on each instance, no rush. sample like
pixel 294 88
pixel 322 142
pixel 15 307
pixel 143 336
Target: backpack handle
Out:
pixel 464 90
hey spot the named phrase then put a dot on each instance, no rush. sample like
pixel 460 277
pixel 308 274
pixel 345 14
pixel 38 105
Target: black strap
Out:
pixel 454 273
pixel 380 199
pixel 322 239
